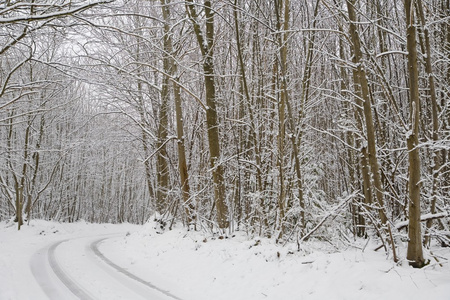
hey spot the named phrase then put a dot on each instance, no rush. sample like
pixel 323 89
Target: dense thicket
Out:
pixel 280 117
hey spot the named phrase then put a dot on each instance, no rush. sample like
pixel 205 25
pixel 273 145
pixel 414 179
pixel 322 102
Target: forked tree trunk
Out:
pixel 212 125
pixel 361 80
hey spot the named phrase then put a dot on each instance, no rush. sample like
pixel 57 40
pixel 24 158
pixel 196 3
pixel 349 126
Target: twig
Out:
pixel 339 206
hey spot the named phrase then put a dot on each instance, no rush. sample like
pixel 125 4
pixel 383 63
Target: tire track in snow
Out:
pixel 39 265
pixel 63 276
pixel 94 248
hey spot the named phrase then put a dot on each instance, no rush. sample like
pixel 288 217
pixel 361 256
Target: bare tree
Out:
pixel 415 254
pixel 206 41
pixel 363 99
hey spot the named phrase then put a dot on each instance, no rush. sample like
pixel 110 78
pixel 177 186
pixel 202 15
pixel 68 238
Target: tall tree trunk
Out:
pixel 414 253
pixel 281 120
pixel 172 71
pixel 162 166
pixel 282 8
pixel 143 124
pixel 296 138
pixel 248 106
pixel 361 80
pixel 434 115
pixel 446 94
pixel 212 125
pixel 36 159
pixel 20 184
pixel 358 218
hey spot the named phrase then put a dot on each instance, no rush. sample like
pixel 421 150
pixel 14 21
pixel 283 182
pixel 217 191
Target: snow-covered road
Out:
pixel 77 269
pixel 49 260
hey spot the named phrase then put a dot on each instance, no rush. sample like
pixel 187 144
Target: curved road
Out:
pixel 77 269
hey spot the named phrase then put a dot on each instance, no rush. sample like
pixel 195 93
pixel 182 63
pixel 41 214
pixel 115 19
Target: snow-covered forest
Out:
pixel 288 119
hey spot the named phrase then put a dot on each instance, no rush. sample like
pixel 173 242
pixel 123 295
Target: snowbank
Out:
pixel 193 265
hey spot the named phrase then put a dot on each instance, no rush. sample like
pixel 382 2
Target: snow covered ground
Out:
pixel 48 260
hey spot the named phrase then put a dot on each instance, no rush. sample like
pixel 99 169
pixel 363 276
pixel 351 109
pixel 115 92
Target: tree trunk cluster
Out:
pixel 288 119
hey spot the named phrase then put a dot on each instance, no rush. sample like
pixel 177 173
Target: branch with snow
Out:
pixel 426 217
pixel 329 214
pixel 58 14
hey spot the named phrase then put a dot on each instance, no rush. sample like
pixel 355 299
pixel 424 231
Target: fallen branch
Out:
pixel 331 213
pixel 423 218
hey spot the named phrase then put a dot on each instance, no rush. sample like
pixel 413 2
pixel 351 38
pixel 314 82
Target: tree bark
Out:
pixel 248 105
pixel 212 125
pixel 172 71
pixel 162 166
pixel 414 252
pixel 434 115
pixel 361 80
